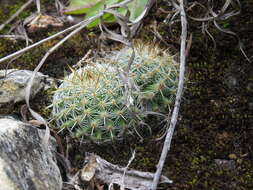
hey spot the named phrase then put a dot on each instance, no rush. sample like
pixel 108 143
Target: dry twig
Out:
pixel 41 41
pixel 16 14
pixel 122 187
pixel 38 6
pixel 167 143
pixel 99 170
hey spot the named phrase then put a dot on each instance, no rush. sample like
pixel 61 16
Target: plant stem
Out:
pixel 167 143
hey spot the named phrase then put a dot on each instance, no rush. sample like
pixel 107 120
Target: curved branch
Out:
pixel 167 143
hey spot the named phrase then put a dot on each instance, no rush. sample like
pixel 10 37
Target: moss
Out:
pixel 3 47
pixel 46 97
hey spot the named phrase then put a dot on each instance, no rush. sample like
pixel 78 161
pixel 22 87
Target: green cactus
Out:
pixel 94 101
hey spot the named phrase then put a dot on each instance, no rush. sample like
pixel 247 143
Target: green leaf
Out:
pixel 136 7
pixel 108 17
pixel 78 7
pixel 96 9
pixel 92 7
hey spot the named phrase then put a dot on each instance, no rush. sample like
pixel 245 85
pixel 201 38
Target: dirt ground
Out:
pixel 216 116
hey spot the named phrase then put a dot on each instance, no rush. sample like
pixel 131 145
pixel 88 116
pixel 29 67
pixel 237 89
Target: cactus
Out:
pixel 91 102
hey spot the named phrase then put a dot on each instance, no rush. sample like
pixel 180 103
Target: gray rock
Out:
pixel 225 164
pixel 13 83
pixel 24 162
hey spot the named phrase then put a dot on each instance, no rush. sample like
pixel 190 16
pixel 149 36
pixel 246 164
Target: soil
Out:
pixel 215 119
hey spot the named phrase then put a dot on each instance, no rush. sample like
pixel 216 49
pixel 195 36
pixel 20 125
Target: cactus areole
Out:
pixel 103 103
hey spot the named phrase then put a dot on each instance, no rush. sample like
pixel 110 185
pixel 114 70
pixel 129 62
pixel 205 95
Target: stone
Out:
pixel 25 163
pixel 14 82
pixel 225 164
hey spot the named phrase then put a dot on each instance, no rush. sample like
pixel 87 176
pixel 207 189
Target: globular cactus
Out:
pixel 102 102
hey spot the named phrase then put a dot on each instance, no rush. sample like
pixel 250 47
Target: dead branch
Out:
pixel 99 170
pixel 167 143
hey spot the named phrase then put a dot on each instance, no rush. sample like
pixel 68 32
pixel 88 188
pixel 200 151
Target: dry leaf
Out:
pixel 43 21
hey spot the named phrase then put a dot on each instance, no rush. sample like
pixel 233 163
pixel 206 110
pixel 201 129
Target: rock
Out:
pixel 24 162
pixel 225 164
pixel 13 83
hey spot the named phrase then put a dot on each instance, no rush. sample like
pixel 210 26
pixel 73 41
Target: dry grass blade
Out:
pixel 112 35
pixel 22 31
pixel 212 16
pixel 16 14
pixel 234 34
pixel 225 6
pixel 59 7
pixel 123 21
pixel 205 31
pixel 175 5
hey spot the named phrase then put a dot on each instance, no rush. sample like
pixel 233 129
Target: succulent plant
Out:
pixel 97 102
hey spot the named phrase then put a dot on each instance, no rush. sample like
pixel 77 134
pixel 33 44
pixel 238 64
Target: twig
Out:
pixel 167 143
pixel 122 187
pixel 16 14
pixel 59 7
pixel 14 37
pixel 40 42
pixel 38 6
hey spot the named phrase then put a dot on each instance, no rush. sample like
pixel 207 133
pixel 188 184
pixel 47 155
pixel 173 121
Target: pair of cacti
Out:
pixel 101 102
